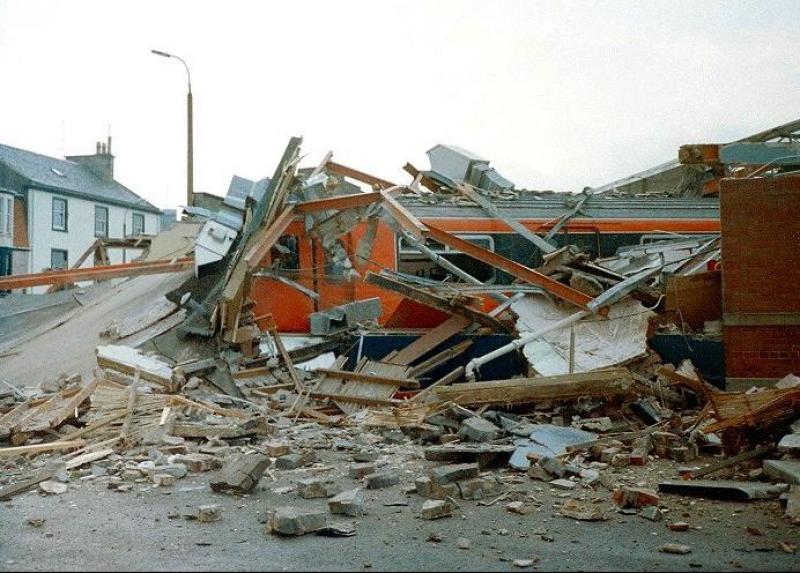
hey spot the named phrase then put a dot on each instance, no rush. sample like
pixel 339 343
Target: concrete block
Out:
pixel 442 475
pixel 208 513
pixel 382 480
pixel 292 521
pixel 785 471
pixel 358 471
pixel 436 509
pixel 294 461
pixel 790 444
pixel 478 430
pixel 350 503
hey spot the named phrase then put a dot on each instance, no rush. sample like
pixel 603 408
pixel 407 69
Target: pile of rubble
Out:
pixel 593 409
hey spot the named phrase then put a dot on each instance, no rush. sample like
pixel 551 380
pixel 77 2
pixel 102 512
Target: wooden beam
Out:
pixel 338 202
pixel 404 217
pixel 362 377
pixel 513 268
pixel 430 340
pixel 345 171
pixel 261 247
pixel 448 378
pixel 38 448
pixel 731 461
pixel 356 399
pixel 616 381
pixel 82 259
pixel 29 480
pixel 439 359
pixel 490 208
pixel 104 272
pixel 434 301
pixel 426 181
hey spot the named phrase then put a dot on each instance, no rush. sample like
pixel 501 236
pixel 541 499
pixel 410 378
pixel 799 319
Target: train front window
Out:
pixel 411 261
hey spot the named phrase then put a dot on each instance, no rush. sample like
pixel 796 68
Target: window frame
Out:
pixel 101 208
pixel 53 215
pixel 66 258
pixel 133 224
pixel 404 249
pixel 6 215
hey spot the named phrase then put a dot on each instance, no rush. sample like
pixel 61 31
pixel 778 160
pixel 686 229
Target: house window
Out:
pixel 100 221
pixel 6 215
pixel 411 261
pixel 58 259
pixel 138 224
pixel 59 214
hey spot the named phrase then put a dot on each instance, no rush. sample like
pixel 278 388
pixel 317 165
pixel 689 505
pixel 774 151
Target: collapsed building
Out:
pixel 507 332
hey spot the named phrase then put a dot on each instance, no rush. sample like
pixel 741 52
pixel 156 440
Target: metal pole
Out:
pixel 189 128
pixel 189 149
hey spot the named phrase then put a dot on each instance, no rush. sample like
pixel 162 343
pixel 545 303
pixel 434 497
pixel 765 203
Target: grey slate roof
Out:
pixel 77 179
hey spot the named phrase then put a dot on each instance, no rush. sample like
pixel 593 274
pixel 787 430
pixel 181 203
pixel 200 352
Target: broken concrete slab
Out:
pixel 241 473
pixel 479 488
pixel 785 471
pixel 563 484
pixel 312 488
pixel 350 502
pixel 164 480
pixel 294 461
pixel 477 429
pixel 547 440
pixel 436 509
pixel 382 480
pixel 675 549
pixel 442 475
pixel 428 488
pixel 723 489
pixel 292 521
pixel 790 444
pixel 634 497
pixel 197 462
pixel 580 511
pixel 53 487
pixel 358 471
pixel 277 448
pixel 484 454
pixel 651 513
pixel 208 513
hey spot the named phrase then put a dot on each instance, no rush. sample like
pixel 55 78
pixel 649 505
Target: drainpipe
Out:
pixel 606 298
pixel 476 363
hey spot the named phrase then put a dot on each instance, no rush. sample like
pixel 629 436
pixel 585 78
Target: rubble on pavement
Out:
pixel 596 434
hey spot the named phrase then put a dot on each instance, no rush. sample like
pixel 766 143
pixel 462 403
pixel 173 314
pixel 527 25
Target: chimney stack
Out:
pixel 101 163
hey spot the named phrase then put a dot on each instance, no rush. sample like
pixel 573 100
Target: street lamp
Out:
pixel 189 151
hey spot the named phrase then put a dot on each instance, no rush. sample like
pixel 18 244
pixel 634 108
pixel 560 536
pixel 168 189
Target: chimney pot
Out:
pixel 98 148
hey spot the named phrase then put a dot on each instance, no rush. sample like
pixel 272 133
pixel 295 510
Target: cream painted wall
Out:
pixel 80 230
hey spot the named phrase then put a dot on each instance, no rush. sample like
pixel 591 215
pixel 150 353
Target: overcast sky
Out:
pixel 558 95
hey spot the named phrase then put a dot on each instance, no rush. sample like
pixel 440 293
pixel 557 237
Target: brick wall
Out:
pixel 20 224
pixel 760 220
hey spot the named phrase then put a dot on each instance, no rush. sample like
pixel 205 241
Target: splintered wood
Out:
pixel 601 383
pixel 45 413
pixel 352 394
pixel 400 417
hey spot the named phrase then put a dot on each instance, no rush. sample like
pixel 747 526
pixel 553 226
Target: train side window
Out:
pixel 411 261
pixel 286 253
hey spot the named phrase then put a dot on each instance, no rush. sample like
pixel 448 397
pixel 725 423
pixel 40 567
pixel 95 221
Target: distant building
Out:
pixel 169 217
pixel 52 210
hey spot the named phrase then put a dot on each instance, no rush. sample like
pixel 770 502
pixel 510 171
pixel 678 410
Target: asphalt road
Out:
pixel 93 528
